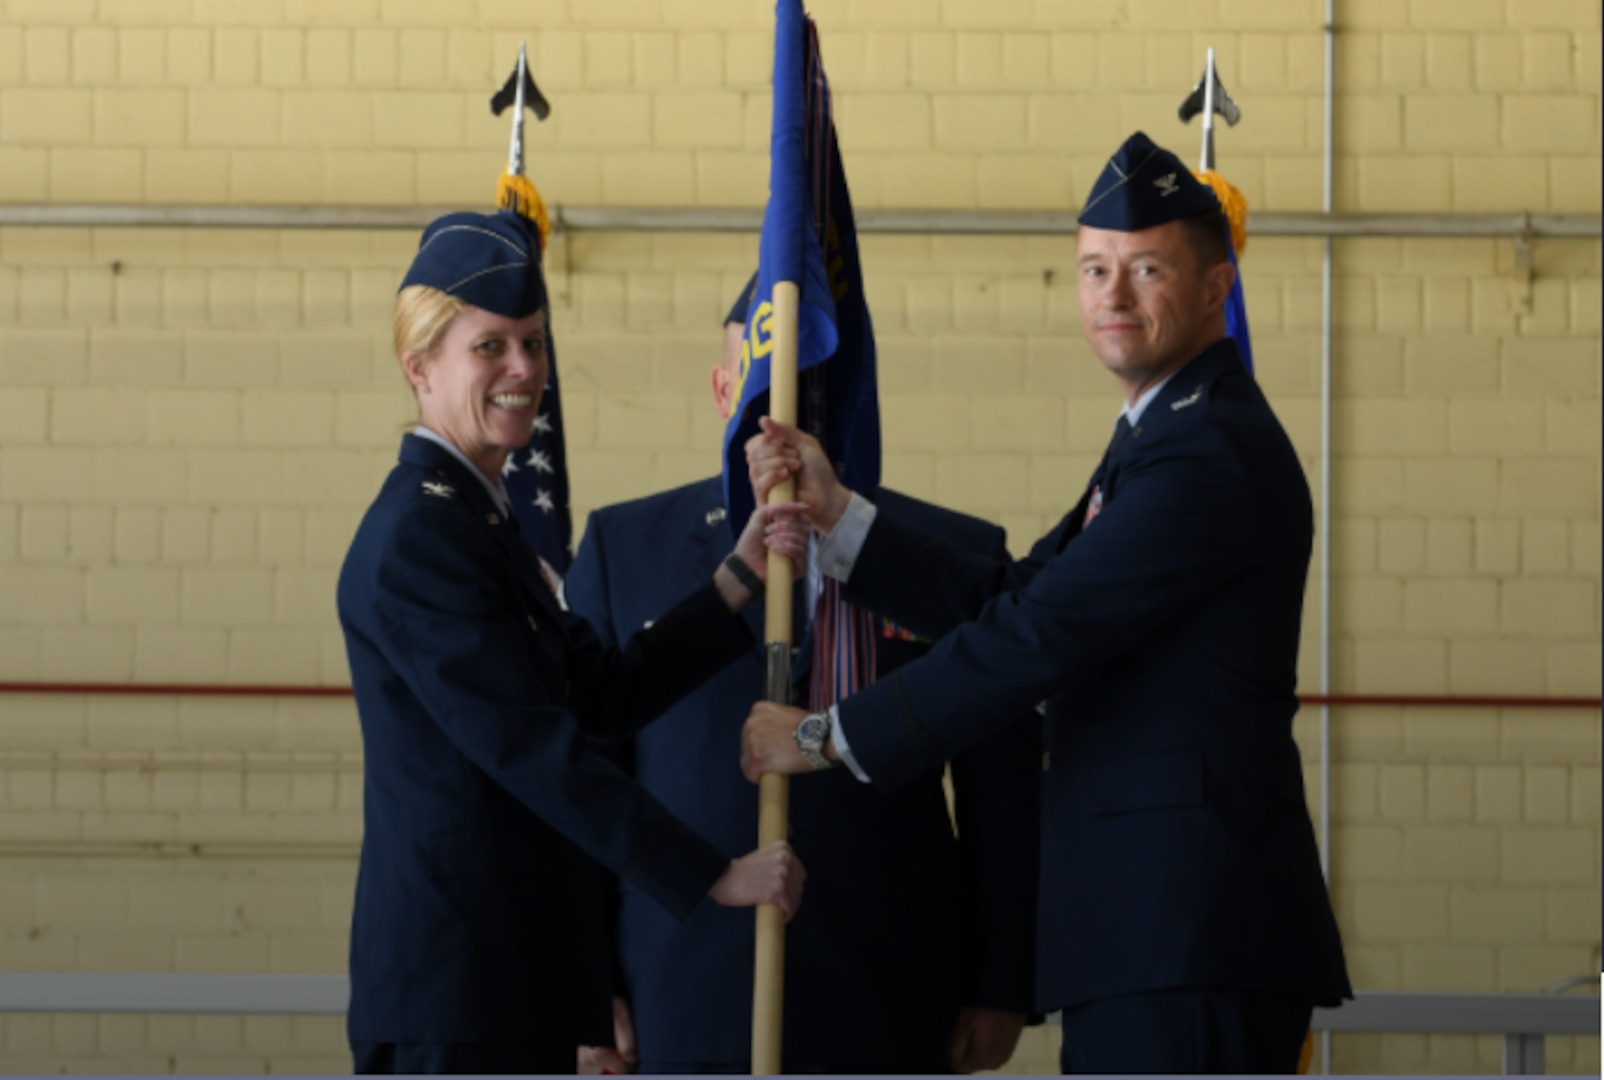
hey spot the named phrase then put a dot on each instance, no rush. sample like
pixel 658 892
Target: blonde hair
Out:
pixel 422 314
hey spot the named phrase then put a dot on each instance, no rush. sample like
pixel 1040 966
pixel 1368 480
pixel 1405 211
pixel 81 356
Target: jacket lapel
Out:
pixel 430 455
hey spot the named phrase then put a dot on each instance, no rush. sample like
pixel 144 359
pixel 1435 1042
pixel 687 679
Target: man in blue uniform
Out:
pixel 1183 924
pixel 914 952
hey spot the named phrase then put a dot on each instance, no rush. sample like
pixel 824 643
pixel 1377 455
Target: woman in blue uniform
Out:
pixel 479 940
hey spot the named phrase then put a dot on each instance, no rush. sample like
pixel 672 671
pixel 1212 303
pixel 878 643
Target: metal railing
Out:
pixel 1524 1020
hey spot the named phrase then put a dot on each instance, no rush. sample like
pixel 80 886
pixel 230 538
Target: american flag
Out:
pixel 536 477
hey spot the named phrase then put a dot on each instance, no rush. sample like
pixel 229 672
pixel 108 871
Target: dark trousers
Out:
pixel 1186 1031
pixel 474 1059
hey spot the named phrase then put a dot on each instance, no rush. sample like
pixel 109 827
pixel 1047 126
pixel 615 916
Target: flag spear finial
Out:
pixel 515 191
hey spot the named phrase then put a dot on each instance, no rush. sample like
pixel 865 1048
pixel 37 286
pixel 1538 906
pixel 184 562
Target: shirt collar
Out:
pixel 1133 413
pixel 498 493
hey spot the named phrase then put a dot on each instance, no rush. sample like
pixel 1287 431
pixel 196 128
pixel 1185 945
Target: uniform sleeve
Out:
pixel 1183 523
pixel 453 632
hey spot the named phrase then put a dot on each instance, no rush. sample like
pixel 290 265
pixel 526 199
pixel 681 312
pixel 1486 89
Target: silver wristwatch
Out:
pixel 811 733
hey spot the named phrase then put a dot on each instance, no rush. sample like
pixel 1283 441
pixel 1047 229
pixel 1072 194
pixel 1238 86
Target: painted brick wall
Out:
pixel 191 421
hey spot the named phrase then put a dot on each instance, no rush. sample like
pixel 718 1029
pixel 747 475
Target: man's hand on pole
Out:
pixel 779 451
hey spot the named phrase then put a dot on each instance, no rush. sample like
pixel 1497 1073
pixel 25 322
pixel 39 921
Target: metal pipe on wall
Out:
pixel 1327 172
pixel 731 219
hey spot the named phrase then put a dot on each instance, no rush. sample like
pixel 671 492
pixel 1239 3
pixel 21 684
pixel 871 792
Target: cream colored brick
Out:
pixel 1449 63
pixel 1385 912
pixel 136 117
pixel 408 119
pixel 53 116
pixel 1548 855
pixel 1585 803
pixel 374 56
pixel 89 534
pixel 1444 854
pixel 1031 424
pixel 1573 915
pixel 174 654
pixel 1544 546
pixel 329 532
pixel 1547 609
pixel 93 416
pixel 43 533
pixel 1547 795
pixel 1498 794
pixel 1420 183
pixel 329 117
pixel 1573 669
pixel 1450 793
pixel 135 357
pixel 1498 427
pixel 136 535
pixel 1570 15
pixel 288 418
pixel 1368 853
pixel 984 483
pixel 1548 123
pixel 219 955
pixel 606 121
pixel 1451 606
pixel 1548 368
pixel 24 414
pixel 1495 667
pixel 1402 427
pixel 44 474
pixel 193 417
pixel 42 295
pixel 1496 916
pixel 1548 485
pixel 226 597
pixel 1449 546
pixel 133 953
pixel 1402 666
pixel 188 54
pixel 658 179
pixel 1585 547
pixel 1449 965
pixel 369 177
pixel 96 175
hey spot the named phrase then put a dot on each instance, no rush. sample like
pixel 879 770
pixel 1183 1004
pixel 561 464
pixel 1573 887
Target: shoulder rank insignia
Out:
pixel 716 515
pixel 438 490
pixel 1192 399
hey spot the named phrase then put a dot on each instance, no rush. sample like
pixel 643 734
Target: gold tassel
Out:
pixel 1233 203
pixel 518 194
pixel 1306 1055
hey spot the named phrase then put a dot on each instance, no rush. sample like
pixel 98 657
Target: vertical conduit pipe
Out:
pixel 1326 206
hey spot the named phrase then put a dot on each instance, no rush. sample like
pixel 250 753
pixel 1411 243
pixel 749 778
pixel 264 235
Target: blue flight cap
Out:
pixel 743 302
pixel 491 261
pixel 1142 186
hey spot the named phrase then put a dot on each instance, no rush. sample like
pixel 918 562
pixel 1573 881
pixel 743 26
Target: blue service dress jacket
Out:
pixel 487 818
pixel 1177 848
pixel 903 922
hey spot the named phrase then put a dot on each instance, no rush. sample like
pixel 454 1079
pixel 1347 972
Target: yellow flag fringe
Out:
pixel 518 194
pixel 1232 202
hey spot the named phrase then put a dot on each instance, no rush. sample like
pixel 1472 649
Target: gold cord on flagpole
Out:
pixel 768 976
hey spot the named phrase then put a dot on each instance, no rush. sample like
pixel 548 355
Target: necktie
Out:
pixel 1094 501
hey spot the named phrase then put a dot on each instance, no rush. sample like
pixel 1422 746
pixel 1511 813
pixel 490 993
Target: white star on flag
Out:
pixel 510 467
pixel 542 424
pixel 540 460
pixel 543 501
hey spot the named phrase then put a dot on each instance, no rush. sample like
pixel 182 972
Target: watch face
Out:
pixel 812 730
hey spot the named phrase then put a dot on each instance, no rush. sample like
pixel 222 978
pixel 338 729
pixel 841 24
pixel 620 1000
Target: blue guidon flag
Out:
pixel 536 477
pixel 808 238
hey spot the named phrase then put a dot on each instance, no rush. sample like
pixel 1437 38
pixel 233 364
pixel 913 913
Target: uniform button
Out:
pixel 1046 761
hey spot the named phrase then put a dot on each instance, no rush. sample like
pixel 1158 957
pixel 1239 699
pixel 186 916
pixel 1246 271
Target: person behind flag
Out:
pixel 914 954
pixel 1183 925
pixel 477 943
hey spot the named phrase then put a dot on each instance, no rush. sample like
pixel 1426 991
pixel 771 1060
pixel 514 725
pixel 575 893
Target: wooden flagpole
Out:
pixel 774 791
